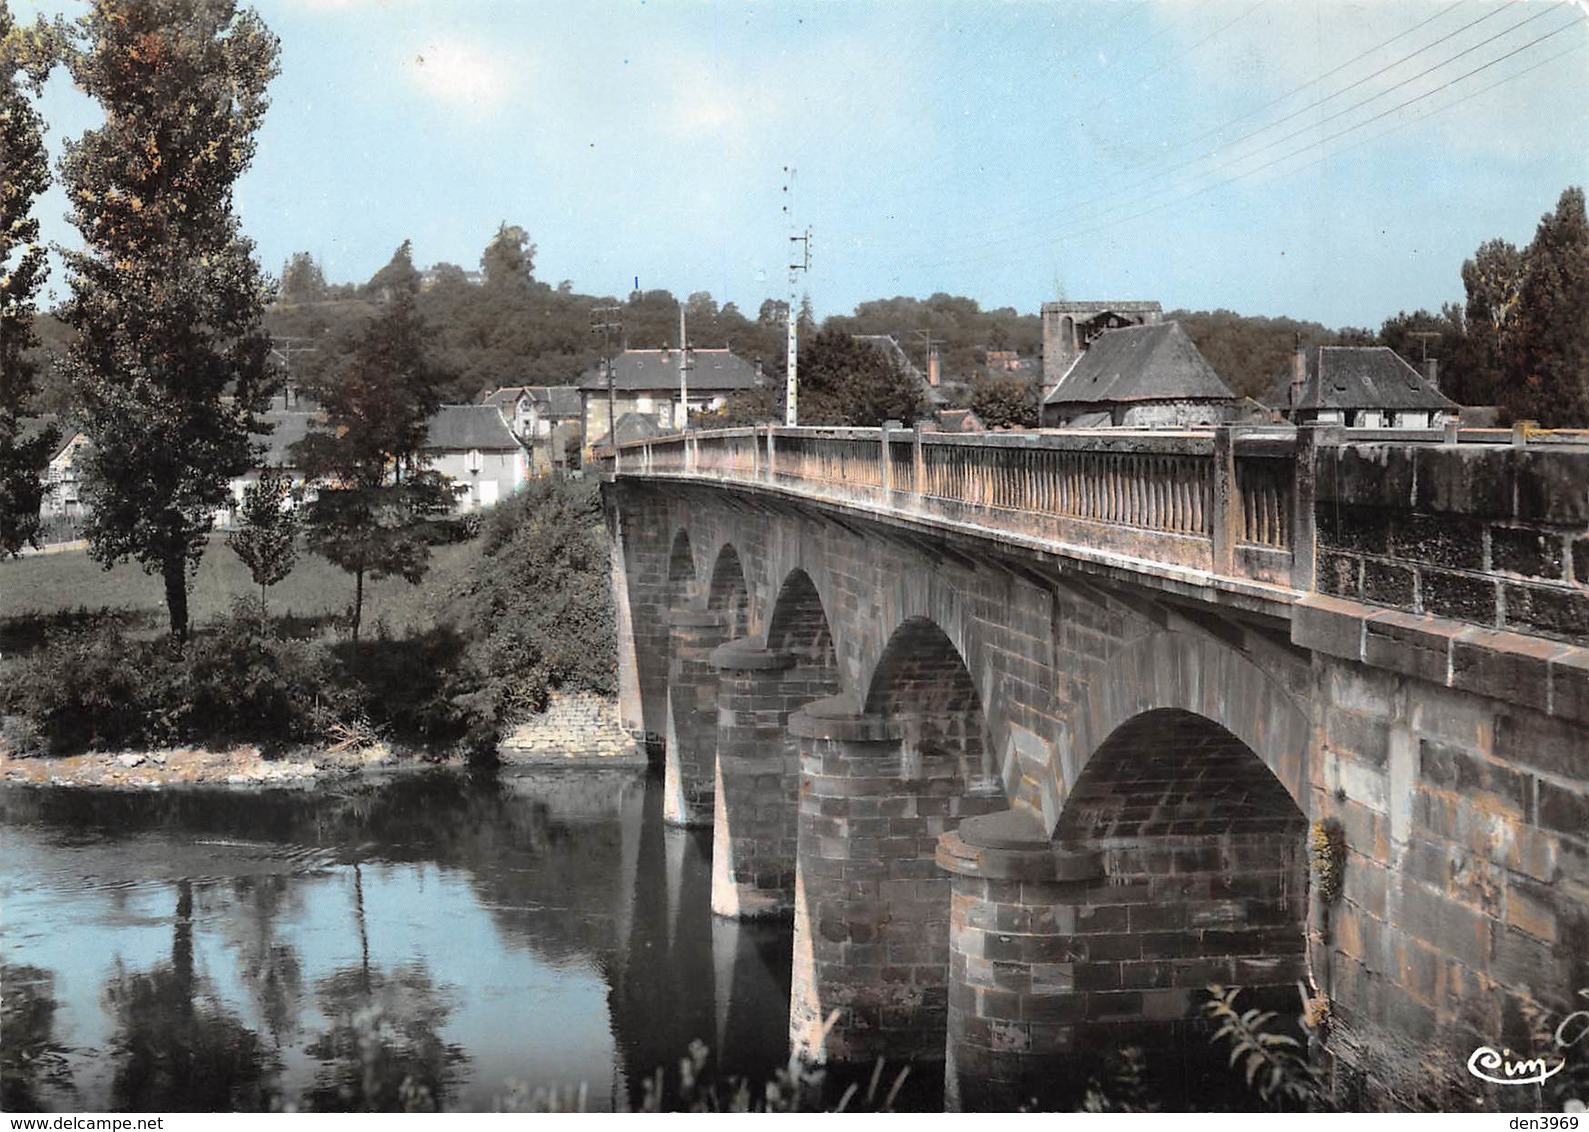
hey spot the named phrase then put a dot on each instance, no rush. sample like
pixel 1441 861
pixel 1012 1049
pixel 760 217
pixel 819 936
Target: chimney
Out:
pixel 1299 375
pixel 1431 371
pixel 934 366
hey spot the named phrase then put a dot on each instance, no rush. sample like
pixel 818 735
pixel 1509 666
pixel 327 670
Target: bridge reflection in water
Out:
pixel 214 950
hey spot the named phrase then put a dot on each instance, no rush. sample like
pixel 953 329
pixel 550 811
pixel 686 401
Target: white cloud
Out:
pixel 462 75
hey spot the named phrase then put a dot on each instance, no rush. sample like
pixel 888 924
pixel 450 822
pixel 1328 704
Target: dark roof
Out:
pixel 629 427
pixel 288 428
pixel 714 370
pixel 507 395
pixel 1140 363
pixel 1362 377
pixel 559 400
pixel 458 428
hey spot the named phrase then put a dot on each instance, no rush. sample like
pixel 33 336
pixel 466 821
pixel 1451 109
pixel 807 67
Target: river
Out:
pixel 479 938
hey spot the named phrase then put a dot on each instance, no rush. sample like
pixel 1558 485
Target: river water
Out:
pixel 480 938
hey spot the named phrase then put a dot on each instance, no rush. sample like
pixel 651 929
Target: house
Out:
pixel 287 428
pixel 647 382
pixel 474 447
pixel 630 427
pixel 1140 377
pixel 1359 387
pixel 546 418
pixel 927 382
pixel 1068 329
pixel 63 479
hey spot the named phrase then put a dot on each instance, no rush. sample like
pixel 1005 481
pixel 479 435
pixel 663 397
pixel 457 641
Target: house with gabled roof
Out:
pixel 546 418
pixel 647 382
pixel 474 447
pixel 1140 377
pixel 1359 387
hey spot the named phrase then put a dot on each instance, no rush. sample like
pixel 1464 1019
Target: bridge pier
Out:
pixel 691 739
pixel 758 782
pixel 1017 977
pixel 871 904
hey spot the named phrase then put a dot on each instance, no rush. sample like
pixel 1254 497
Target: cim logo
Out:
pixel 1503 1067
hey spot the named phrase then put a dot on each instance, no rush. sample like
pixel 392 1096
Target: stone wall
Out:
pixel 575 726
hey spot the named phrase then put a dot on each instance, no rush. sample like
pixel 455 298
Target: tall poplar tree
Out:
pixel 1553 317
pixel 24 174
pixel 170 362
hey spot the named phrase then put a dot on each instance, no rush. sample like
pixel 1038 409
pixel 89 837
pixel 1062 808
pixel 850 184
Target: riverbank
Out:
pixel 575 730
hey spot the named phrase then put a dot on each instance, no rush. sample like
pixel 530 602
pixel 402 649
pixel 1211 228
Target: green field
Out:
pixel 71 581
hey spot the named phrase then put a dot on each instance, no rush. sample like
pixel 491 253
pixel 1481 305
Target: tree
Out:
pixel 170 361
pixel 267 539
pixel 398 276
pixel 24 62
pixel 1004 400
pixel 846 382
pixel 1552 382
pixel 1492 279
pixel 380 508
pixel 509 259
pixel 302 281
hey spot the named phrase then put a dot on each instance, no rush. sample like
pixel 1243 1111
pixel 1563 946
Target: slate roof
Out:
pixel 1360 377
pixel 289 428
pixel 556 400
pixel 629 427
pixel 458 428
pixel 1157 362
pixel 715 370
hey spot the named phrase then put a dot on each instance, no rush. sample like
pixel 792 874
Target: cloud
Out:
pixel 463 76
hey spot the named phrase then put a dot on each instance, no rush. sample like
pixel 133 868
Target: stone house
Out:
pixel 646 382
pixel 474 447
pixel 1144 376
pixel 1069 328
pixel 1359 387
pixel 62 479
pixel 545 418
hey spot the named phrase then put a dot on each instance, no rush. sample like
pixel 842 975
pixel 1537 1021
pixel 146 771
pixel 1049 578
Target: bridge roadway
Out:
pixel 1036 735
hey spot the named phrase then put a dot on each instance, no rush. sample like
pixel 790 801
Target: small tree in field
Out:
pixel 380 509
pixel 267 539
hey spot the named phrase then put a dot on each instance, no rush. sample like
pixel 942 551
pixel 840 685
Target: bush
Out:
pixel 96 689
pixel 543 599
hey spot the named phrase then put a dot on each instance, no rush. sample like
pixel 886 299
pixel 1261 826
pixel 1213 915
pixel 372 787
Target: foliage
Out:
pixel 1272 1064
pixel 1250 353
pixel 958 327
pixel 170 359
pixel 1327 850
pixel 381 510
pixel 543 598
pixel 266 540
pixel 1493 279
pixel 24 61
pixel 1125 1087
pixel 509 259
pixel 1552 380
pixel 1005 400
pixel 302 281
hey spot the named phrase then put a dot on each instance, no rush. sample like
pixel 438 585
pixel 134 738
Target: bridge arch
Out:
pixel 681 584
pixel 799 623
pixel 727 592
pixel 1197 675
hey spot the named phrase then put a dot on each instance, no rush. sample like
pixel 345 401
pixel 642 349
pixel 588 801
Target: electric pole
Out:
pixel 686 363
pixel 606 320
pixel 791 412
pixel 284 349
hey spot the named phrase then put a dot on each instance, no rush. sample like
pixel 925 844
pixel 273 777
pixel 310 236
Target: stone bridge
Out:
pixel 1035 736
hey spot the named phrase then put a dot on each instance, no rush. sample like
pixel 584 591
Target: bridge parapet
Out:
pixel 1219 502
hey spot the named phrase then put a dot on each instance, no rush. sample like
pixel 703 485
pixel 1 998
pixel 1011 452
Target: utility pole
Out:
pixel 791 412
pixel 686 363
pixel 1423 337
pixel 606 320
pixel 284 349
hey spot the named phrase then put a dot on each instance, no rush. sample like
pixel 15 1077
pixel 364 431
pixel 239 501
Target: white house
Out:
pixel 473 446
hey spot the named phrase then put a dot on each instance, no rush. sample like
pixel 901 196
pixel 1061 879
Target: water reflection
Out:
pixel 413 944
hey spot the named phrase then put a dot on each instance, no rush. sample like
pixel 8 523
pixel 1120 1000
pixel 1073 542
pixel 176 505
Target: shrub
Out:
pixel 97 689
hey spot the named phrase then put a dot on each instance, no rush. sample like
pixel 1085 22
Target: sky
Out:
pixel 1321 159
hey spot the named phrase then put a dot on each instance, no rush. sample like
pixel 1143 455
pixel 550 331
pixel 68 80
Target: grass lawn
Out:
pixel 54 583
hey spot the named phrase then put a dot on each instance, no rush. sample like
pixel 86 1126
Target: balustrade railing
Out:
pixel 1219 501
